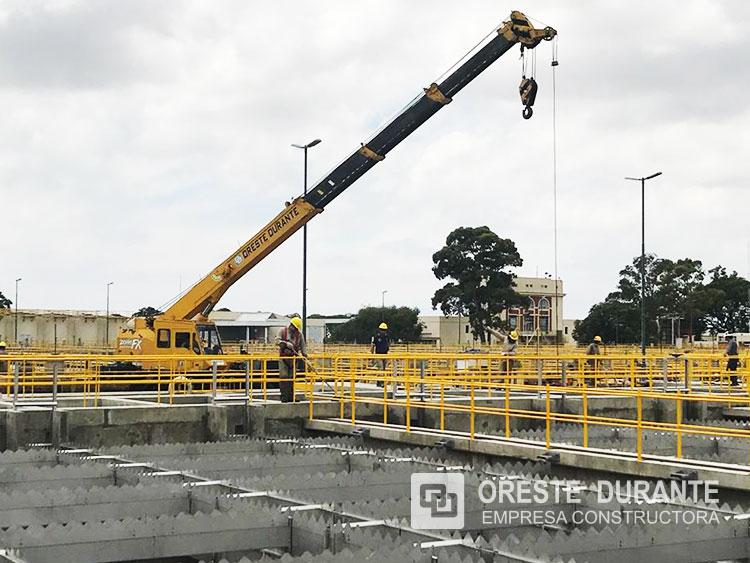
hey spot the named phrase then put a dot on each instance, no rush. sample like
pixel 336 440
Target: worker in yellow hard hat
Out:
pixel 291 343
pixel 509 348
pixel 381 344
pixel 592 364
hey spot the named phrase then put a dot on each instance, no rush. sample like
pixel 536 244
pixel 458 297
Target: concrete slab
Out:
pixel 728 476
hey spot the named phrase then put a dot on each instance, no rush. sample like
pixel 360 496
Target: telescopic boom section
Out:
pixel 202 297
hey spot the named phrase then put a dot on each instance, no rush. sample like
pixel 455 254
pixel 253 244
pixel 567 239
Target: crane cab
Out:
pixel 166 337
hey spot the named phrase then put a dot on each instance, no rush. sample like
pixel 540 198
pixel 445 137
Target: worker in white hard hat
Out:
pixel 381 344
pixel 291 343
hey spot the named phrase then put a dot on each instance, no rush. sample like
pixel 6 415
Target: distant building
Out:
pixel 38 327
pixel 262 326
pixel 541 317
pixel 568 327
pixel 237 326
pixel 446 331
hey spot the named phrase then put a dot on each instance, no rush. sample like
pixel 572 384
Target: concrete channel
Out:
pixel 236 481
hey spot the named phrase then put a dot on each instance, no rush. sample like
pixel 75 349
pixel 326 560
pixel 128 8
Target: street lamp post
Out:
pixel 304 243
pixel 15 320
pixel 643 256
pixel 106 332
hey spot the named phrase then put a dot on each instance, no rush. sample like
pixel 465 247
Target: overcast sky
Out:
pixel 142 142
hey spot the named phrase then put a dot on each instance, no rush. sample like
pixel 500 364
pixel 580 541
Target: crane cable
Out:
pixel 554 65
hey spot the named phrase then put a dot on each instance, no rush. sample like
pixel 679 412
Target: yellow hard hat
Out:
pixel 3 344
pixel 597 338
pixel 383 326
pixel 513 335
pixel 297 322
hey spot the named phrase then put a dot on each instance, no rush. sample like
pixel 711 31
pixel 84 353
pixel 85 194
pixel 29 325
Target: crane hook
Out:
pixel 527 89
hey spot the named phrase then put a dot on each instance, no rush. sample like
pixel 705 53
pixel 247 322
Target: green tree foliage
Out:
pixel 5 303
pixel 725 301
pixel 614 321
pixel 476 259
pixel 676 292
pixel 147 312
pixel 403 325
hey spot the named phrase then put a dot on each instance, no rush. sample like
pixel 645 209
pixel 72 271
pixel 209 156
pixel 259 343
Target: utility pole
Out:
pixel 382 304
pixel 106 333
pixel 643 256
pixel 15 326
pixel 304 242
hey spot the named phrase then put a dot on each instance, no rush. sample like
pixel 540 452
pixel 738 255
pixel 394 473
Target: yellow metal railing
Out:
pixel 469 384
pixel 407 392
pixel 695 372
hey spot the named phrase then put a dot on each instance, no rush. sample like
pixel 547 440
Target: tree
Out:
pixel 403 324
pixel 147 312
pixel 476 259
pixel 675 291
pixel 670 289
pixel 614 321
pixel 726 302
pixel 5 303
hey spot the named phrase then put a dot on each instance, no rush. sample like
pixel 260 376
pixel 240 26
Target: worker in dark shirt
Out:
pixel 3 363
pixel 733 362
pixel 381 343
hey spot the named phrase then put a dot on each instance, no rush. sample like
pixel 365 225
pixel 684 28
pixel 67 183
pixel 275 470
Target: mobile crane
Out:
pixel 184 329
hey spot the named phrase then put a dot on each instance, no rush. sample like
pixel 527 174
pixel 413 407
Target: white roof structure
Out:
pixel 258 318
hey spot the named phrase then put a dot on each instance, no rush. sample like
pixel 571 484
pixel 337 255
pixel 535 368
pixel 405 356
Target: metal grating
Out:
pixel 312 500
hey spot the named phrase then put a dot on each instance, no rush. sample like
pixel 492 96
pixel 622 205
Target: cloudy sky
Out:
pixel 142 142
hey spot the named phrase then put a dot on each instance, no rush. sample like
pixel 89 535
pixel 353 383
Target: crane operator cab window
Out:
pixel 163 338
pixel 210 337
pixel 182 340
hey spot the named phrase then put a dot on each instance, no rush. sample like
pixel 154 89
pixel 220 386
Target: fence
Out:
pixel 472 385
pixel 92 374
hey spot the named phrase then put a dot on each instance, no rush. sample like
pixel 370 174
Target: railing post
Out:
pixel 687 375
pixel 665 369
pixel 563 373
pixel 339 385
pixel 585 418
pixel 442 406
pixel 471 413
pixel 352 398
pixel 408 399
pixel 679 424
pixel 15 383
pixel 311 395
pixel 385 397
pixel 547 414
pixel 507 409
pixel 264 377
pixel 248 391
pixel 639 427
pixel 214 377
pixel 55 369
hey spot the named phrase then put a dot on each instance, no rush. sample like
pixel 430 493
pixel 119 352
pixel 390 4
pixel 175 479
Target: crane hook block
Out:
pixel 528 89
